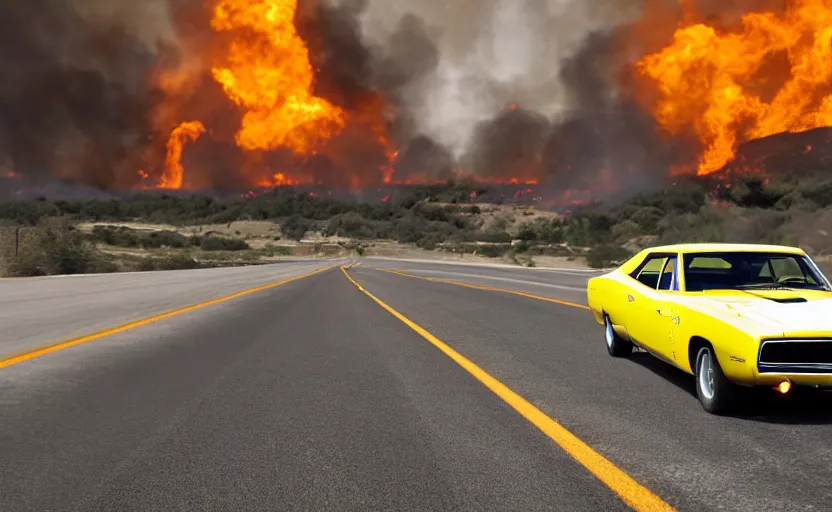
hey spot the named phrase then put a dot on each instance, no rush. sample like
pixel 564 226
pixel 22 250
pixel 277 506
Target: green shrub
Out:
pixel 57 248
pixel 212 243
pixel 280 250
pixel 295 227
pixel 171 262
pixel 605 256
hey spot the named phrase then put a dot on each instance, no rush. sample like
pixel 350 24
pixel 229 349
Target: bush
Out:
pixel 353 225
pixel 605 256
pixel 429 242
pixel 57 248
pixel 295 227
pixel 126 237
pixel 494 237
pixel 492 251
pixel 172 262
pixel 212 243
pixel 280 250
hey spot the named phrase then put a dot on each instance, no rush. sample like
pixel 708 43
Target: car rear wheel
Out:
pixel 616 345
pixel 716 393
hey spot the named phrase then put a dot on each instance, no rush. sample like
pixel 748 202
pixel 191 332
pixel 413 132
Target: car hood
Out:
pixel 778 311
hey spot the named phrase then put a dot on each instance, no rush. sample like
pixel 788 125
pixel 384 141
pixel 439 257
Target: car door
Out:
pixel 642 316
pixel 665 318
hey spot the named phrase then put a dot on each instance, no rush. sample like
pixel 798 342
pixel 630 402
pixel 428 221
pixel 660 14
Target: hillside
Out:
pixel 156 231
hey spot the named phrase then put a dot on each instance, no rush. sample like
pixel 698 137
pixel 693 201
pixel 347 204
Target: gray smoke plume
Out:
pixel 517 88
pixel 491 53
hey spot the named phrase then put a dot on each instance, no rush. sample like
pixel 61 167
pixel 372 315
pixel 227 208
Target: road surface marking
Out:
pixel 138 323
pixel 628 489
pixel 437 273
pixel 489 288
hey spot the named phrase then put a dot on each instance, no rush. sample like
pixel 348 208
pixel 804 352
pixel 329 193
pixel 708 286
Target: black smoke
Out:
pixel 369 81
pixel 74 103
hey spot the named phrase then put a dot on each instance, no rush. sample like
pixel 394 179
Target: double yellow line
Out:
pixel 628 489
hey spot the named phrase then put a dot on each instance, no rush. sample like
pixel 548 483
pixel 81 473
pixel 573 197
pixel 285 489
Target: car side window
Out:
pixel 668 280
pixel 649 272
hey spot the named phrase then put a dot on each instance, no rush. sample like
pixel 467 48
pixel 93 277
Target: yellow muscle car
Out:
pixel 733 315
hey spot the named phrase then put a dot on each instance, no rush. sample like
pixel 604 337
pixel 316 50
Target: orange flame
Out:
pixel 282 179
pixel 709 80
pixel 174 173
pixel 268 74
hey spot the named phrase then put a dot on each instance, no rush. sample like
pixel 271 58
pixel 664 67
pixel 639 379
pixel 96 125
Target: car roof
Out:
pixel 633 263
pixel 720 247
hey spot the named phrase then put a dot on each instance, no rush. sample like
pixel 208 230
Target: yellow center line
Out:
pixel 138 323
pixel 628 489
pixel 489 288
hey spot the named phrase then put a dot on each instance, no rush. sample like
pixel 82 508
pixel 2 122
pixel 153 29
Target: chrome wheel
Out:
pixel 705 366
pixel 609 334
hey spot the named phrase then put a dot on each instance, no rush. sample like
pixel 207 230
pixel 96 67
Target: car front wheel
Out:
pixel 716 393
pixel 616 345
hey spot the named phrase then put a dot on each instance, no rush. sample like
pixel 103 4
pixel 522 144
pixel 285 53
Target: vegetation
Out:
pixel 432 218
pixel 127 237
pixel 58 249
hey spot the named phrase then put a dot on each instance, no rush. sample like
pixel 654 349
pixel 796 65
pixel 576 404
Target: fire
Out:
pixel 268 74
pixel 174 173
pixel 711 82
pixel 387 170
pixel 282 179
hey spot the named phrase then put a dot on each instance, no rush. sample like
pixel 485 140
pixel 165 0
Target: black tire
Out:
pixel 616 345
pixel 716 393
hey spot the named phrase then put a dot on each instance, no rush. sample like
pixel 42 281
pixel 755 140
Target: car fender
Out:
pixel 606 295
pixel 734 346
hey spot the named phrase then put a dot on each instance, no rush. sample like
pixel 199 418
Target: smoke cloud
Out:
pixel 73 99
pixel 529 89
pixel 491 53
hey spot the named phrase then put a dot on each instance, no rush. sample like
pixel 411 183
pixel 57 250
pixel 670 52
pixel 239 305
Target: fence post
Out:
pixel 16 241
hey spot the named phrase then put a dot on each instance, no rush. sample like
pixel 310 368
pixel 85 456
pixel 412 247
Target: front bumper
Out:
pixel 821 381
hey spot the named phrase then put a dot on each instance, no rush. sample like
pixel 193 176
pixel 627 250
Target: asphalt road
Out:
pixel 311 396
pixel 41 310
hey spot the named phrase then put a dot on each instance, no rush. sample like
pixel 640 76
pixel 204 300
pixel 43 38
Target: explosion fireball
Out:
pixel 270 77
pixel 772 75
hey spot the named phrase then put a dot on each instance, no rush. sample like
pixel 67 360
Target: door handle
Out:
pixel 661 312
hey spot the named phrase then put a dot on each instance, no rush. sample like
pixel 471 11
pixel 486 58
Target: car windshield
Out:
pixel 751 270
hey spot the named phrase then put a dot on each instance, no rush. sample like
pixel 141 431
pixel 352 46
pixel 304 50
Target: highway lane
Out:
pixel 307 396
pixel 565 284
pixel 311 396
pixel 36 311
pixel 640 413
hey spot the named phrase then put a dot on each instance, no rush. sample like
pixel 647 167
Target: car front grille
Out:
pixel 795 356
